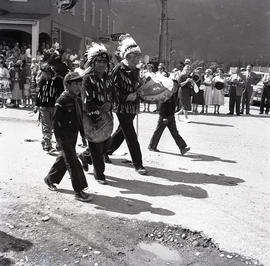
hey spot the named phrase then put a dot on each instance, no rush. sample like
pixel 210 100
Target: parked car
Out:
pixel 257 90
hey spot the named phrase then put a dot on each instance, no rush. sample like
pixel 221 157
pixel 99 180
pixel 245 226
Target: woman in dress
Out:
pixel 17 83
pixel 219 86
pixel 4 83
pixel 208 93
pixel 186 89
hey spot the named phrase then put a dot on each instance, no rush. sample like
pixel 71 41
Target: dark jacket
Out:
pixel 48 91
pixel 125 81
pixel 67 120
pixel 167 109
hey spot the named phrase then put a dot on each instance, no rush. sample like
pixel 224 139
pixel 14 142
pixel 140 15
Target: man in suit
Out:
pixel 251 78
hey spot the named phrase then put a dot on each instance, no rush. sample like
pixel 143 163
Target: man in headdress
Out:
pixel 96 94
pixel 125 77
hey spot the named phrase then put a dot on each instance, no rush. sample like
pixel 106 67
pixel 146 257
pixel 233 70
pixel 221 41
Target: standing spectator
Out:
pixel 236 82
pixel 80 68
pixel 250 79
pixel 198 98
pixel 147 72
pixel 185 92
pixel 265 94
pixel 4 84
pixel 219 85
pixel 17 83
pixel 73 56
pixel 208 88
pixel 126 77
pixel 49 89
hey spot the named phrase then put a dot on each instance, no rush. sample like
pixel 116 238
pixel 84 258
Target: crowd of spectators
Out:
pixel 19 72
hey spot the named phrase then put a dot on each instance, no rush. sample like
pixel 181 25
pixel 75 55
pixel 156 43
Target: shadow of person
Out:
pixel 11 243
pixel 191 178
pixel 127 205
pixel 123 205
pixel 154 189
pixel 211 124
pixel 201 157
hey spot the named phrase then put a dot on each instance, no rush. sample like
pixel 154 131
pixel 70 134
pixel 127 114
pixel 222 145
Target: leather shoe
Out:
pixel 51 186
pixel 153 149
pixel 184 150
pixel 83 196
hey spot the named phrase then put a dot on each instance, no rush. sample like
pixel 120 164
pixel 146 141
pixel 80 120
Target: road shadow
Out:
pixel 190 178
pixel 65 191
pixel 200 157
pixel 127 205
pixel 6 261
pixel 11 243
pixel 156 190
pixel 122 205
pixel 211 124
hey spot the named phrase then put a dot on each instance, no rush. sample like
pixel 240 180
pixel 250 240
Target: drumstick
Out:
pixel 137 125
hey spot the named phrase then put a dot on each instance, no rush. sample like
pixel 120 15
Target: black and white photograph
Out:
pixel 134 132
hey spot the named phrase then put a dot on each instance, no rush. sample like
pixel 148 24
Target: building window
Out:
pixel 100 19
pixel 84 10
pixel 93 14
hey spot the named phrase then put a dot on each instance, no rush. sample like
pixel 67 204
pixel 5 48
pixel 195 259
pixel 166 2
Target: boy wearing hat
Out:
pixel 67 122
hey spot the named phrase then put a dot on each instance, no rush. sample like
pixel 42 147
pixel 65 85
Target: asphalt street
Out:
pixel 220 187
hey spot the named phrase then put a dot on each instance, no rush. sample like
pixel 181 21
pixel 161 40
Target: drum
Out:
pixel 156 88
pixel 100 130
pixel 219 85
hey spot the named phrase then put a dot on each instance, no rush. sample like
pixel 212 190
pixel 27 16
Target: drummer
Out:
pixel 167 119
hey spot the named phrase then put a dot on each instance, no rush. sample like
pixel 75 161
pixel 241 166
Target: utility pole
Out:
pixel 161 55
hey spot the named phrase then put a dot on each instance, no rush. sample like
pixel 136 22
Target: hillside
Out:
pixel 227 30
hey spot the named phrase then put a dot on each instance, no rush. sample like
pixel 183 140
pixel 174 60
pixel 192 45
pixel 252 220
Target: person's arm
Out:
pixel 57 117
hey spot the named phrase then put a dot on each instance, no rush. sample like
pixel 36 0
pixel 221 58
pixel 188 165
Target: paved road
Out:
pixel 221 187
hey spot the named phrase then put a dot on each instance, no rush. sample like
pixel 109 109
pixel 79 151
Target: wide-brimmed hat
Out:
pixel 72 76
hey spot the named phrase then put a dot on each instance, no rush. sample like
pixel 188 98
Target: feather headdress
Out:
pixel 127 45
pixel 95 50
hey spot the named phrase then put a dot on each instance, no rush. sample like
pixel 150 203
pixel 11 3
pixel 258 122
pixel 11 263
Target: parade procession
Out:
pixel 121 149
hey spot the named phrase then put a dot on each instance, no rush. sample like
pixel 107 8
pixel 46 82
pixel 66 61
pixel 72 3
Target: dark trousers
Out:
pixel 97 151
pixel 265 96
pixel 246 101
pixel 234 101
pixel 169 122
pixel 126 131
pixel 68 160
